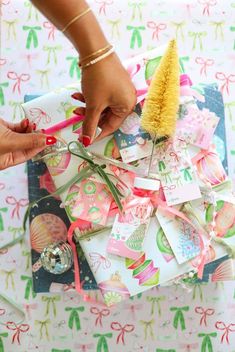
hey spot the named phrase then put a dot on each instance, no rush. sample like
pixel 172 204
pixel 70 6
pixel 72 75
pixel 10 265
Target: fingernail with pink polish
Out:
pixel 86 140
pixel 51 140
pixel 26 123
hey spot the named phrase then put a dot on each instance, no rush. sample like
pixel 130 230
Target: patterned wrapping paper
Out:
pixel 40 185
pixel 117 277
pixel 209 314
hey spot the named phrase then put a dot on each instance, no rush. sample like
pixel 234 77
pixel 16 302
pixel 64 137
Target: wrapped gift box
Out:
pixel 117 277
pixel 41 184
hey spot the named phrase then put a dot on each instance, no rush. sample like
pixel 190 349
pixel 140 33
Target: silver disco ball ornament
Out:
pixel 57 258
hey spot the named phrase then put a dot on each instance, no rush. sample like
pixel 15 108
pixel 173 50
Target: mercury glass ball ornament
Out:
pixel 57 258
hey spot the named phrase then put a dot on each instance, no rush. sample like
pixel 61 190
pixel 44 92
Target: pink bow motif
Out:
pixel 227 81
pixel 100 314
pixel 30 57
pixel 17 205
pixel 188 347
pixel 205 313
pixel 103 5
pixel 132 308
pixel 99 260
pixel 2 62
pixel 227 329
pixel 2 311
pixel 28 308
pixel 127 328
pixel 156 28
pixel 84 347
pixel 39 115
pixel 52 28
pixel 69 287
pixel 205 63
pixel 24 77
pixel 18 330
pixel 207 4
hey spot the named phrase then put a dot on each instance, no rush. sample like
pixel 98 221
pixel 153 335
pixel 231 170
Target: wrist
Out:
pixel 86 35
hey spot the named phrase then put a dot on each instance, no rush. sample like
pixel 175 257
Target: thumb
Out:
pixel 26 141
pixel 90 124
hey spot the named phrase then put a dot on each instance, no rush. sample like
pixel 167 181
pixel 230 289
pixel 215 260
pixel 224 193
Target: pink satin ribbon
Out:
pixel 186 90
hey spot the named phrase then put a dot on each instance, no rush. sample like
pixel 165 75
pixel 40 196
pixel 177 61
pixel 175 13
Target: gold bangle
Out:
pixel 99 58
pixel 109 46
pixel 75 19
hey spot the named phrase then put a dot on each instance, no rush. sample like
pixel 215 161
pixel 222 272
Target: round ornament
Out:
pixel 57 258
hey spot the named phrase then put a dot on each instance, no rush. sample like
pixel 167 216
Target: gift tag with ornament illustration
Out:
pixel 93 202
pixel 175 169
pixel 132 141
pixel 129 229
pixel 182 237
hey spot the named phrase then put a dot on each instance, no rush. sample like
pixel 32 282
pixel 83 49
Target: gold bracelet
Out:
pixel 99 58
pixel 109 46
pixel 75 19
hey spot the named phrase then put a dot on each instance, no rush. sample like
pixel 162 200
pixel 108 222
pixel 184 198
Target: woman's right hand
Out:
pixel 18 144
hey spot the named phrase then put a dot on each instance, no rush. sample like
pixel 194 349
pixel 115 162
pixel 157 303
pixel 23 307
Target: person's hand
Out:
pixel 109 95
pixel 18 144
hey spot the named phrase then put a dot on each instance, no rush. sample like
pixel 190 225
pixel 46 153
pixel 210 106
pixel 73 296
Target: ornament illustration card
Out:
pixel 183 239
pixel 129 229
pixel 176 172
pixel 132 141
pixel 197 126
pixel 92 202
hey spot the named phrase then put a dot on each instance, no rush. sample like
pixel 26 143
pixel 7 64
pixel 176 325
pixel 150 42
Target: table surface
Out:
pixel 33 54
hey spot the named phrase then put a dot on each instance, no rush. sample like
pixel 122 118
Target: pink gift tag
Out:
pixel 92 202
pixel 129 229
pixel 197 126
pixel 178 179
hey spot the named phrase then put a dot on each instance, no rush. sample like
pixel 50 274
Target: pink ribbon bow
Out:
pixel 103 5
pixel 188 347
pixel 2 62
pixel 100 314
pixel 132 308
pixel 156 28
pixel 227 81
pixel 52 28
pixel 24 77
pixel 205 63
pixel 127 328
pixel 227 329
pixel 205 313
pixel 207 4
pixel 2 311
pixel 83 347
pixel 39 115
pixel 18 204
pixel 18 329
pixel 28 308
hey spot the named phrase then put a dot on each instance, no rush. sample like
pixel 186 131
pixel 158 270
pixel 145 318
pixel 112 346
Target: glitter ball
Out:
pixel 57 258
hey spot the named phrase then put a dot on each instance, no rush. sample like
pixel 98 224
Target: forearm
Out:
pixel 85 34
